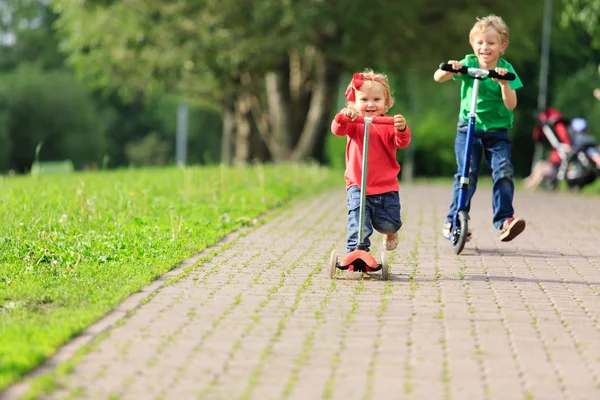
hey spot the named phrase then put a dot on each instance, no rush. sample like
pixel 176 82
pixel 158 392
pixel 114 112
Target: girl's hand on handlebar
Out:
pixel 350 113
pixel 399 122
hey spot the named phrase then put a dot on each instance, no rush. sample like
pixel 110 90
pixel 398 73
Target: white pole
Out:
pixel 182 133
pixel 408 166
pixel 544 66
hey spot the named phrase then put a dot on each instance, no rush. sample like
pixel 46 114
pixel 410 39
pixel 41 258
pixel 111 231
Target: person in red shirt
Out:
pixel 548 168
pixel 369 95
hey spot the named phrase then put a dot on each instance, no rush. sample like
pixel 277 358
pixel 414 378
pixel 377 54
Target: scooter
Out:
pixel 460 220
pixel 359 260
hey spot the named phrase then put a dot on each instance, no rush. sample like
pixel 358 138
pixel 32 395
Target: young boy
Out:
pixel 369 95
pixel 495 104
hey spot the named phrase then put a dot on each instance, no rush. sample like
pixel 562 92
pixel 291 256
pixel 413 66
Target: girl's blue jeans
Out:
pixel 496 147
pixel 382 213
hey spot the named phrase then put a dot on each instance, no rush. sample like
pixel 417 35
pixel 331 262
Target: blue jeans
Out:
pixel 382 212
pixel 496 147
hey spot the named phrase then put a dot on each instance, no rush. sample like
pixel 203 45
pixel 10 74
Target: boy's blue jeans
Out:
pixel 382 213
pixel 497 148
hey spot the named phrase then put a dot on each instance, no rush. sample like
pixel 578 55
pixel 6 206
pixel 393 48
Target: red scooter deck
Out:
pixel 359 261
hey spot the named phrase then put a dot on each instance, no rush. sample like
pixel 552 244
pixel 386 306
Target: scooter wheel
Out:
pixel 460 232
pixel 333 264
pixel 384 266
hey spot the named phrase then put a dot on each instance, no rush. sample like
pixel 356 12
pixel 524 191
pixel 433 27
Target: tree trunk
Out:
pixel 316 124
pixel 243 130
pixel 292 96
pixel 279 113
pixel 228 132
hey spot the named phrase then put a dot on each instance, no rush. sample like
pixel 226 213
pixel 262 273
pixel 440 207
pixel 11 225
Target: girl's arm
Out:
pixel 338 129
pixel 402 138
pixel 345 129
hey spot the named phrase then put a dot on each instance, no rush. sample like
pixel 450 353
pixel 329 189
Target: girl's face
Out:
pixel 370 100
pixel 488 48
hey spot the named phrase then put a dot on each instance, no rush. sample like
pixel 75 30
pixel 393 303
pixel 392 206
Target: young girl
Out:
pixel 495 104
pixel 369 95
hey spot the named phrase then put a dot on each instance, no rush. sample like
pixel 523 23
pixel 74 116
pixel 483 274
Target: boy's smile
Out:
pixel 488 47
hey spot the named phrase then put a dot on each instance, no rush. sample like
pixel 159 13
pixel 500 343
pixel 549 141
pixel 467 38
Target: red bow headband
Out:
pixel 357 81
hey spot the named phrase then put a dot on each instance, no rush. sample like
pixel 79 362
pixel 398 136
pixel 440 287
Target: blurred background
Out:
pixel 102 84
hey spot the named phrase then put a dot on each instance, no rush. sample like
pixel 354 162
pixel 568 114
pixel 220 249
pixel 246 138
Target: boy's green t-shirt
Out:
pixel 491 112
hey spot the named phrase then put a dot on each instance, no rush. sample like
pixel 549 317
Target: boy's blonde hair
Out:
pixel 366 78
pixel 492 21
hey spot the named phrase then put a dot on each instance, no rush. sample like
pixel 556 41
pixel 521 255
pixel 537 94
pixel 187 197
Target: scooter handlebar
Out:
pixel 478 71
pixel 342 120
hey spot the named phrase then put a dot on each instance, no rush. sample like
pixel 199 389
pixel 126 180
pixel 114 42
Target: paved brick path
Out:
pixel 262 320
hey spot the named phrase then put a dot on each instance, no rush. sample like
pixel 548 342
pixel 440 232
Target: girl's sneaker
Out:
pixel 448 235
pixel 511 228
pixel 390 243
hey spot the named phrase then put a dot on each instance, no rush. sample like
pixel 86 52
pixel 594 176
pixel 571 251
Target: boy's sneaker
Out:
pixel 390 243
pixel 511 228
pixel 448 235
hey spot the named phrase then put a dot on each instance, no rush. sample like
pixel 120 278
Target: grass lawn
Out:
pixel 74 246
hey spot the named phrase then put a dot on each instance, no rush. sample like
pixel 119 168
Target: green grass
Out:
pixel 72 247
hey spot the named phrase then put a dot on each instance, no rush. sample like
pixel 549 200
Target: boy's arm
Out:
pixel 443 76
pixel 509 96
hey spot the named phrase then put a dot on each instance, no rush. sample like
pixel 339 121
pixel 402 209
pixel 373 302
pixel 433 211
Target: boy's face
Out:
pixel 488 47
pixel 370 100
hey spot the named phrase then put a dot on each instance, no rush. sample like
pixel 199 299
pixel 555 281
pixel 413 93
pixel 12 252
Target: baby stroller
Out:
pixel 572 150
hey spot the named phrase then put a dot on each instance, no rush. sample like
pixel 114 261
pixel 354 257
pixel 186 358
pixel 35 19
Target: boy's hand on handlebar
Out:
pixel 350 113
pixel 456 65
pixel 501 72
pixel 399 122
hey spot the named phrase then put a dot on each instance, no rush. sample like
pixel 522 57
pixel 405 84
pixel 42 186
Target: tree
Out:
pixel 586 13
pixel 49 108
pixel 271 68
pixel 26 34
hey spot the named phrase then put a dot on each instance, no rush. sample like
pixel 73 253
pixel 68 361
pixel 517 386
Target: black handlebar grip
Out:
pixel 509 76
pixel 465 70
pixel 448 68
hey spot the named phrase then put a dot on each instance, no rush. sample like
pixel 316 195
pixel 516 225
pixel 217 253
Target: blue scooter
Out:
pixel 460 221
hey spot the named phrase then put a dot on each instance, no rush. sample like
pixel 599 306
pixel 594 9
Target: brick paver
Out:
pixel 262 320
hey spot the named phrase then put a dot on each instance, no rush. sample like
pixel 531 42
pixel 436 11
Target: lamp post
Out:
pixel 542 101
pixel 182 134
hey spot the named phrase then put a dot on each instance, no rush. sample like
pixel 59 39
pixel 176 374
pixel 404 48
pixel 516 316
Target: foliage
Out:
pixel 202 50
pixel 5 142
pixel 204 129
pixel 586 13
pixel 26 27
pixel 574 97
pixel 49 108
pixel 211 51
pixel 151 150
pixel 73 247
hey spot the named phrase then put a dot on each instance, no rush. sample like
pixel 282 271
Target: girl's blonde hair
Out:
pixel 491 21
pixel 368 77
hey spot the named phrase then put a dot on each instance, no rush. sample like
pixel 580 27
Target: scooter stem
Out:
pixel 363 186
pixel 464 178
